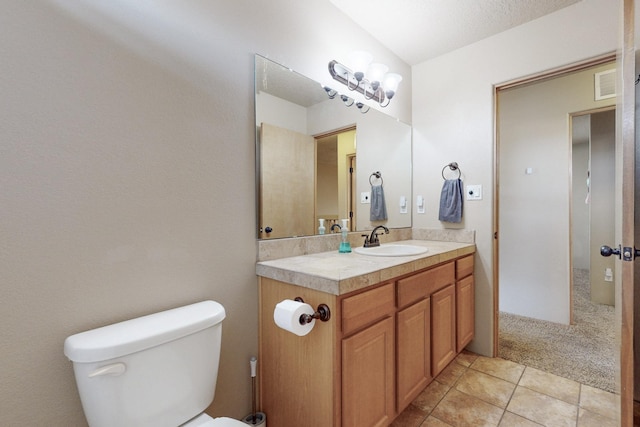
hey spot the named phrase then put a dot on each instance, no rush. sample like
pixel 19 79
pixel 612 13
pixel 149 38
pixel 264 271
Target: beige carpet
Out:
pixel 584 352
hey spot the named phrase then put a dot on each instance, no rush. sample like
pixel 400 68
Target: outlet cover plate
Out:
pixel 474 192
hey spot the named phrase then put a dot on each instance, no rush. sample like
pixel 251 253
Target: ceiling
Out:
pixel 418 30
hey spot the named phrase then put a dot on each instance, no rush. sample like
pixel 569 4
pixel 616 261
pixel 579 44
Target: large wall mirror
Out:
pixel 317 158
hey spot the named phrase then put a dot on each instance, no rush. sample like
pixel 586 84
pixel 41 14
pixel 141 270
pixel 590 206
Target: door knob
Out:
pixel 268 230
pixel 608 251
pixel 626 253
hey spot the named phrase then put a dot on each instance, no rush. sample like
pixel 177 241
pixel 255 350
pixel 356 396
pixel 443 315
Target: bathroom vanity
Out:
pixel 396 322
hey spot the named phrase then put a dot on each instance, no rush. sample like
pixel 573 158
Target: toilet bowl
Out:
pixel 152 371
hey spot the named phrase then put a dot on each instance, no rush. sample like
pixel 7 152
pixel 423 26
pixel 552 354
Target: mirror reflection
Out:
pixel 318 160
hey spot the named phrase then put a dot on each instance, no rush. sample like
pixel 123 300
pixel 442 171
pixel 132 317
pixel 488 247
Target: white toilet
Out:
pixel 156 370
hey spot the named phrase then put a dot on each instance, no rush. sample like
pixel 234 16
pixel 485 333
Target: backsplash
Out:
pixel 295 246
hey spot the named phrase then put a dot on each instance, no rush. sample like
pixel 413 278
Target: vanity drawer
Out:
pixel 367 307
pixel 464 267
pixel 423 284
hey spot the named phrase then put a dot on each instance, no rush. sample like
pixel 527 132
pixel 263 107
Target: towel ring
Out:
pixel 378 175
pixel 454 167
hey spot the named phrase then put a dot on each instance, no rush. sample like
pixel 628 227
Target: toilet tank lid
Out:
pixel 138 334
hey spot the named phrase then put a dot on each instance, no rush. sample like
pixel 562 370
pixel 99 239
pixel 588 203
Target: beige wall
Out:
pixel 127 174
pixel 453 118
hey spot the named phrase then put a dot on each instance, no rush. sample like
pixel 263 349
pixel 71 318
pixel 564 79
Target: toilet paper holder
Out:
pixel 322 313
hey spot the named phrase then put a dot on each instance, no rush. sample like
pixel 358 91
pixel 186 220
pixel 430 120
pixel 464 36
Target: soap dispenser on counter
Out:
pixel 321 228
pixel 345 246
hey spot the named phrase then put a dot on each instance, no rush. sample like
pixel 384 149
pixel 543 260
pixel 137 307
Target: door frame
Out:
pixel 625 133
pixel 625 128
pixel 556 72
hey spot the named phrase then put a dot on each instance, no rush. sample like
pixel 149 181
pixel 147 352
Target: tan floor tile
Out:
pixel 410 417
pixel 431 396
pixel 450 374
pixel 512 420
pixel 505 369
pixel 591 419
pixel 551 385
pixel 485 387
pixel 542 409
pixel 462 410
pixel 466 358
pixel 434 422
pixel 599 401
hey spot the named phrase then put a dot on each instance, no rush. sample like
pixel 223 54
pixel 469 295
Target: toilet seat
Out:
pixel 204 420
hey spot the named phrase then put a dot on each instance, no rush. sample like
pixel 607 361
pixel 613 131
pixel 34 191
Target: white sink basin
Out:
pixel 392 250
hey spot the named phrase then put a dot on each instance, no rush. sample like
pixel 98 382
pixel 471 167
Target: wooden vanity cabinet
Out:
pixel 465 302
pixel 299 381
pixel 382 346
pixel 368 358
pixel 443 338
pixel 414 351
pixel 368 388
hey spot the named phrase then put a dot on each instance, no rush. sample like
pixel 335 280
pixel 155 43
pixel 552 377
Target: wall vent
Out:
pixel 605 84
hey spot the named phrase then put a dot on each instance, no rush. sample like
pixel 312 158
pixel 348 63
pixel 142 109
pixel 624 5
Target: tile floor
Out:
pixel 479 391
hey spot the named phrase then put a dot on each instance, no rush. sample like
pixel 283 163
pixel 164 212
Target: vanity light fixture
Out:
pixel 348 101
pixel 363 108
pixel 375 84
pixel 331 93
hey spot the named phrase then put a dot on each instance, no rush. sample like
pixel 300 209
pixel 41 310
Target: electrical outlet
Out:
pixel 474 192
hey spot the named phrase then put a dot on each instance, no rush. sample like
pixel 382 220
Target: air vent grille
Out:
pixel 605 84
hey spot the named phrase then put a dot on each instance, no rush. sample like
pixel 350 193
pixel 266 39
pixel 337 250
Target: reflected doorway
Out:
pixel 335 178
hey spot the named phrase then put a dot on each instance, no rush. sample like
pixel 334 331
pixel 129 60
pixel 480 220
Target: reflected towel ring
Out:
pixel 454 167
pixel 378 175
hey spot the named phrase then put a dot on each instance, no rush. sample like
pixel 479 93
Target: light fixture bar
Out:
pixel 345 76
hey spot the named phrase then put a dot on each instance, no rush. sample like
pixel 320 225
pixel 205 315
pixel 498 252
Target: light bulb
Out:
pixel 390 85
pixel 360 60
pixel 375 73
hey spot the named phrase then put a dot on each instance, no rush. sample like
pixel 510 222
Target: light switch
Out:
pixel 474 192
pixel 420 204
pixel 365 197
pixel 403 204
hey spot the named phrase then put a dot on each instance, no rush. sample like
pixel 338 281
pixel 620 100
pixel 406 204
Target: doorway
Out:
pixel 534 186
pixel 335 178
pixel 593 185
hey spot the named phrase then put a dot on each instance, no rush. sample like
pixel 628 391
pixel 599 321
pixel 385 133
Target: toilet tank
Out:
pixel 157 370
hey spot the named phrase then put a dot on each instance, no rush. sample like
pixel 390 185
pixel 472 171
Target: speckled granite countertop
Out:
pixel 338 274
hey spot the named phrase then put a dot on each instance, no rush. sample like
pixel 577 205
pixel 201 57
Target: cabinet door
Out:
pixel 465 312
pixel 368 379
pixel 443 328
pixel 414 351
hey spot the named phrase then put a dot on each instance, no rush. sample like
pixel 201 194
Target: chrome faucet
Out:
pixel 371 241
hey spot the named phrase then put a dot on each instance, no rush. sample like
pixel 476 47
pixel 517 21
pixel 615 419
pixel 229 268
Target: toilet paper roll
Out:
pixel 287 316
